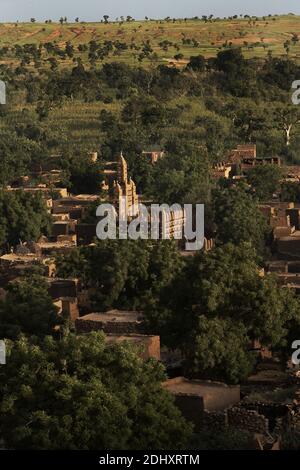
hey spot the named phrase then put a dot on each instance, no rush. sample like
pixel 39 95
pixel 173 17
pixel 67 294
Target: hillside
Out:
pixel 81 96
pixel 167 38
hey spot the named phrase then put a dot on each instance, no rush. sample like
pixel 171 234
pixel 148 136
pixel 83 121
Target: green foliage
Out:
pixel 213 357
pixel 23 217
pixel 220 295
pixel 290 192
pixel 29 309
pixel 229 439
pixel 85 177
pixel 79 393
pixel 197 63
pixel 111 270
pixel 291 439
pixel 238 218
pixel 182 177
pixel 239 78
pixel 16 153
pixel 265 180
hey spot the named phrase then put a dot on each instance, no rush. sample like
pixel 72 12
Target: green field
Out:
pixel 256 37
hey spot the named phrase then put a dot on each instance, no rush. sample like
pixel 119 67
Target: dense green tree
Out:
pixel 265 180
pixel 85 176
pixel 238 218
pixel 197 63
pixel 117 280
pixel 237 76
pixel 218 358
pixel 286 119
pixel 16 154
pixel 228 439
pixel 279 72
pixel 23 217
pixel 290 192
pixel 182 177
pixel 79 393
pixel 28 308
pixel 220 295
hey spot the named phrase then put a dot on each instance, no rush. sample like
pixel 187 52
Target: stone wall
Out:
pixel 248 420
pixel 214 420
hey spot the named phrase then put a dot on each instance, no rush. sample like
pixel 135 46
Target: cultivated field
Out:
pixel 191 37
pixel 77 121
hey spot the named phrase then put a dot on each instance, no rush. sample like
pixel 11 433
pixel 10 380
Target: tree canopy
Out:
pixel 28 308
pixel 81 394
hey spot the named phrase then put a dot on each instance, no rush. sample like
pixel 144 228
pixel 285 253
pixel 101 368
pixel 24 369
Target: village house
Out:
pixel 43 189
pixel 121 326
pixel 67 307
pixel 14 265
pixel 244 157
pixel 154 154
pixel 64 288
pixel 194 398
pixel 112 322
pixel 148 346
pixel 221 170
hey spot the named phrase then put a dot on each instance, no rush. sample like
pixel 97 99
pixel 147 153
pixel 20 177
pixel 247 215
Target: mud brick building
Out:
pixel 64 288
pixel 14 265
pixel 112 322
pixel 63 244
pixel 68 307
pixel 147 345
pixel 243 154
pixel 120 326
pixel 245 157
pixel 153 155
pixel 221 170
pixel 42 189
pixel 63 227
pixel 195 397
